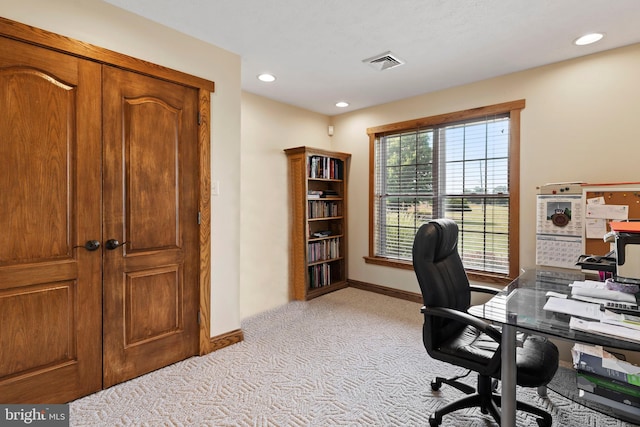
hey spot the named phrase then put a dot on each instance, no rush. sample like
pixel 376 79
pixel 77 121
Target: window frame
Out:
pixel 513 109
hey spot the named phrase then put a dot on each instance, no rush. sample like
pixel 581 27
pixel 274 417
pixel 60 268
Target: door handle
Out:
pixel 90 245
pixel 112 244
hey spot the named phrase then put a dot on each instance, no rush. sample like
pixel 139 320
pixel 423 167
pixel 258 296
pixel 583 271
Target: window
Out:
pixel 462 166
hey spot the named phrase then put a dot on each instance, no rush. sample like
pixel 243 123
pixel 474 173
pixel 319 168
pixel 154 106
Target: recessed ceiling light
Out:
pixel 342 104
pixel 588 39
pixel 267 78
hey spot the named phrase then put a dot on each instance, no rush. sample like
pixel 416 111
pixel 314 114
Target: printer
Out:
pixel 626 239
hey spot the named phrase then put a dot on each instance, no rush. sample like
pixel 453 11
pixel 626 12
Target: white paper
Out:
pixel 595 228
pixel 574 308
pixel 605 294
pixel 620 319
pixel 592 299
pixel 619 212
pixel 588 284
pixel 558 251
pixel 594 350
pixel 596 201
pixel 605 329
pixel 555 294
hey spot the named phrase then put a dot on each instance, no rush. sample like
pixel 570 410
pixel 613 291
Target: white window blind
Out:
pixel 455 170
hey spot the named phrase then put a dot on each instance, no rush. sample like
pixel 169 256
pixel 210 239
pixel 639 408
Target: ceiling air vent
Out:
pixel 384 61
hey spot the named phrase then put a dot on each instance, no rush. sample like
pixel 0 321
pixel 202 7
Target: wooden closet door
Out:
pixel 50 205
pixel 150 208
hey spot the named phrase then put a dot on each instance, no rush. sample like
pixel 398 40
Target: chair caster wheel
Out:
pixel 435 385
pixel 433 422
pixel 543 423
pixel 494 384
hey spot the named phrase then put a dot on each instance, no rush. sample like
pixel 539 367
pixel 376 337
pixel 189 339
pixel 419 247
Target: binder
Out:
pixel 590 363
pixel 624 411
pixel 609 388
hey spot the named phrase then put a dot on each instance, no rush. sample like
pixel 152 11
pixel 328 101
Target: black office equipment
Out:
pixel 452 335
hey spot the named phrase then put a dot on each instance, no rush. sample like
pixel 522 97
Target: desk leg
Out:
pixel 508 399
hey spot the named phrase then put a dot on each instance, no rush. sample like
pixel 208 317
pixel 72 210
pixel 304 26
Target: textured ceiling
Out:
pixel 316 47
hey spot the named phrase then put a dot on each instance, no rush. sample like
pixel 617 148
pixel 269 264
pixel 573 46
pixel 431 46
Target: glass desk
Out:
pixel 519 306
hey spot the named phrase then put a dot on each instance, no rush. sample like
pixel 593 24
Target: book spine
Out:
pixel 589 380
pixel 608 393
pixel 629 411
pixel 591 363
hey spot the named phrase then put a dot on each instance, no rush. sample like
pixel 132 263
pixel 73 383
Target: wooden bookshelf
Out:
pixel 318 200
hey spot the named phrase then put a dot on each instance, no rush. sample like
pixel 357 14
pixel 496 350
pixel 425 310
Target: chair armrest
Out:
pixel 484 289
pixel 465 318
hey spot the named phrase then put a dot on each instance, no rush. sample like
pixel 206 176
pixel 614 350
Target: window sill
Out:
pixel 474 275
pixel 389 262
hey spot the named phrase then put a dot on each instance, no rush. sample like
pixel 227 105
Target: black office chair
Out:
pixel 452 335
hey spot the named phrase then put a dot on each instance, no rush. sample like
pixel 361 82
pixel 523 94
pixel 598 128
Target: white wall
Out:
pixel 104 25
pixel 578 114
pixel 268 127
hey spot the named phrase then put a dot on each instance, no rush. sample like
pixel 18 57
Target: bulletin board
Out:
pixel 613 196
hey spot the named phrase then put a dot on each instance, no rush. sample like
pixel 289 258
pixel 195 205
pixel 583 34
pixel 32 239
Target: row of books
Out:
pixel 322 209
pixel 604 379
pixel 324 168
pixel 319 275
pixel 324 250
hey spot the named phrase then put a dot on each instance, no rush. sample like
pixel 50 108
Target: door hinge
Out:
pixel 199 217
pixel 199 118
pixel 199 317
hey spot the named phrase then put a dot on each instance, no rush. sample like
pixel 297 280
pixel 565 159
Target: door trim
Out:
pixel 204 207
pixel 36 36
pixel 44 38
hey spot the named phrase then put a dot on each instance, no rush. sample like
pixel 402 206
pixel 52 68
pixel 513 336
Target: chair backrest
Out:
pixel 441 275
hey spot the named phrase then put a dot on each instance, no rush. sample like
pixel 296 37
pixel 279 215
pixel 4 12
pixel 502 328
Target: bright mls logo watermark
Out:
pixel 34 415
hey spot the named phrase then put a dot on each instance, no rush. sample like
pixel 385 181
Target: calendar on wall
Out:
pixel 559 230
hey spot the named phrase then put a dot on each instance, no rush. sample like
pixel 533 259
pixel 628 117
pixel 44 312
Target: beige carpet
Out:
pixel 349 358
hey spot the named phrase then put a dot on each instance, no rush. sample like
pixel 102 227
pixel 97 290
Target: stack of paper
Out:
pixel 603 378
pixel 630 334
pixel 574 308
pixel 596 292
pixel 620 319
pixel 586 315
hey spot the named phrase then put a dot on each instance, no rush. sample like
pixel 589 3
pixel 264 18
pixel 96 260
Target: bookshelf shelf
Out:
pixel 318 201
pixel 326 218
pixel 326 261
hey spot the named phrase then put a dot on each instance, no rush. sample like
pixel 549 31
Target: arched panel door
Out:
pixel 150 209
pixel 50 179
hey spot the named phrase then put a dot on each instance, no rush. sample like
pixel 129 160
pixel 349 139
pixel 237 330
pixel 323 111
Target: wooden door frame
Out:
pixel 25 33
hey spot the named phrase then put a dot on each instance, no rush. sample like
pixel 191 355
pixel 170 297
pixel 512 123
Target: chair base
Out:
pixel 489 403
pixel 437 382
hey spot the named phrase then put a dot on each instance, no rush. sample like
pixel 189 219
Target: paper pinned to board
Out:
pixel 619 212
pixel 596 201
pixel 595 228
